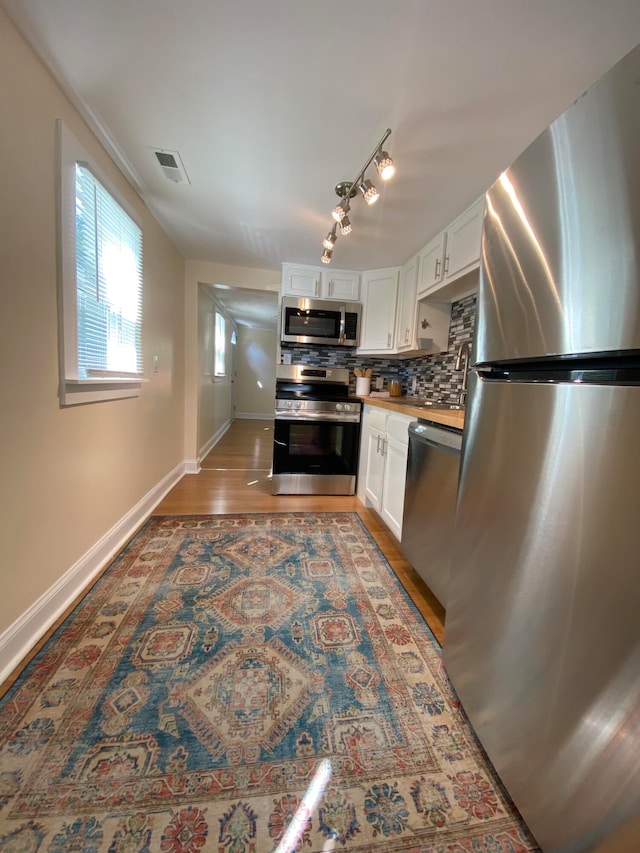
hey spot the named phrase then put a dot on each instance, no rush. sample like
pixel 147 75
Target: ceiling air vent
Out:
pixel 171 165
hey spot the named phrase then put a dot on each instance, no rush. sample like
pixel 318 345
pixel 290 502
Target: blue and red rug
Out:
pixel 246 684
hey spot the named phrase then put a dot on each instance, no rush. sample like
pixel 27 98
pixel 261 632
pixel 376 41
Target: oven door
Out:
pixel 315 456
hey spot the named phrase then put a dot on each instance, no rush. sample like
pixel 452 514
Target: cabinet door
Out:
pixel 300 281
pixel 431 265
pixel 338 284
pixel 395 474
pixel 463 241
pixel 380 291
pixel 405 324
pixel 375 466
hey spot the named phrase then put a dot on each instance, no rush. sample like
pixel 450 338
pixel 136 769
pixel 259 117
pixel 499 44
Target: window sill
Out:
pixel 75 392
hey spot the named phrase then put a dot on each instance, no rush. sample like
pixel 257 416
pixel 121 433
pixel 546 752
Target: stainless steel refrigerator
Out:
pixel 542 633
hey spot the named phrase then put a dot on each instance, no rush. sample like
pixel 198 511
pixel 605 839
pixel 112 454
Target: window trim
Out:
pixel 73 390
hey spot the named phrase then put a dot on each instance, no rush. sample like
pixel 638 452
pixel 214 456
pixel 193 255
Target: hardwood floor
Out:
pixel 235 478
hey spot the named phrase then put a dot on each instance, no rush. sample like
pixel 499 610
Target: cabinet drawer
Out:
pixel 376 418
pixel 398 428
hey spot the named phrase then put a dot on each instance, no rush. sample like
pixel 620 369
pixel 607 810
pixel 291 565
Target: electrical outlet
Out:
pixel 414 384
pixel 156 364
pixel 379 383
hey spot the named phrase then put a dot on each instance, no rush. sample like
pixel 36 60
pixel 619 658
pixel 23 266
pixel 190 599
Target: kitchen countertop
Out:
pixel 403 405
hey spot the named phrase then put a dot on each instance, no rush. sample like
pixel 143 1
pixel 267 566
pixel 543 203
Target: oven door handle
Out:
pixel 315 417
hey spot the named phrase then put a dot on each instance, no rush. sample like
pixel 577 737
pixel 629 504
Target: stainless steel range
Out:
pixel 316 432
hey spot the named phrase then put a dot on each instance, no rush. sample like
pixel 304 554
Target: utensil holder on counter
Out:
pixel 363 386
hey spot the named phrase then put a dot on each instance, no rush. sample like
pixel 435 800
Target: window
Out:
pixel 101 283
pixel 220 346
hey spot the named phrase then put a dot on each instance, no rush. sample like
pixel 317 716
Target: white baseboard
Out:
pixel 192 466
pixel 25 632
pixel 215 438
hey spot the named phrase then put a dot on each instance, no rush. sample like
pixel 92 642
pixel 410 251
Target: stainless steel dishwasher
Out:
pixel 430 497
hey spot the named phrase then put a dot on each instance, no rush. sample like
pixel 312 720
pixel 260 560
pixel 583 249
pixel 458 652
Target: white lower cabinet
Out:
pixel 373 439
pixel 383 464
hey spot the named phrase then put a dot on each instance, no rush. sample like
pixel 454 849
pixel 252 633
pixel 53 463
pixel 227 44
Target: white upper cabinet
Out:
pixel 463 242
pixel 301 281
pixel 319 283
pixel 406 314
pixel 450 256
pixel 394 323
pixel 379 295
pixel 340 284
pixel 431 265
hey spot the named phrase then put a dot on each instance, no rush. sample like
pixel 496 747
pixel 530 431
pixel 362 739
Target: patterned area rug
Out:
pixel 241 684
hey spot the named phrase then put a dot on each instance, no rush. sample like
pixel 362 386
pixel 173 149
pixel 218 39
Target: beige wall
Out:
pixel 68 475
pixel 256 364
pixel 202 272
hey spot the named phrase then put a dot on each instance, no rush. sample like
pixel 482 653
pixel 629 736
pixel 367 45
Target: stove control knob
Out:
pixel 339 407
pixel 297 404
pixel 347 407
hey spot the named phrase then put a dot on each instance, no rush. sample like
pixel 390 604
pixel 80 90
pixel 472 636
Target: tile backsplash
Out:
pixel 435 375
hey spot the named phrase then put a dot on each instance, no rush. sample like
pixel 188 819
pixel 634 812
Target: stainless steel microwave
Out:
pixel 320 321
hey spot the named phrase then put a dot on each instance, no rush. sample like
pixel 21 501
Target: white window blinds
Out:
pixel 109 282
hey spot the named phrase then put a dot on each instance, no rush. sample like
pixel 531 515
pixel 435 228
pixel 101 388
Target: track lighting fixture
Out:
pixel 346 190
pixel 345 227
pixel 330 240
pixel 369 192
pixel 340 211
pixel 384 165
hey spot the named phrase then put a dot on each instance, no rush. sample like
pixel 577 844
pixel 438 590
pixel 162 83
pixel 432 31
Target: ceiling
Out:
pixel 270 104
pixel 253 309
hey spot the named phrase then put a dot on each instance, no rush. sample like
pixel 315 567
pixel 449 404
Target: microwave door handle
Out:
pixel 343 320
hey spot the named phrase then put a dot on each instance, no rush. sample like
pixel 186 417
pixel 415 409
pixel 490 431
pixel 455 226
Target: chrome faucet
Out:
pixel 462 363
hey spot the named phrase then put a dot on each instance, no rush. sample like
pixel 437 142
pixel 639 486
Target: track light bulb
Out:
pixel 330 240
pixel 385 165
pixel 326 256
pixel 369 192
pixel 345 227
pixel 339 211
